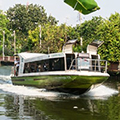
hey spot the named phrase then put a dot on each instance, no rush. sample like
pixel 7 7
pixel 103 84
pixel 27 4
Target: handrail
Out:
pixel 96 65
pixel 72 64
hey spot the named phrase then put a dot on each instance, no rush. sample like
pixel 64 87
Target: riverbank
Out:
pixel 7 60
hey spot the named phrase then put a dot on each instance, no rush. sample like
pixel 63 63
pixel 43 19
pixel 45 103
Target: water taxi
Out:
pixel 67 71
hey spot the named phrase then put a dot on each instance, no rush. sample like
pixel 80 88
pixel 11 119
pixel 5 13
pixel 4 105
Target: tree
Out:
pixel 109 31
pixel 51 39
pixel 3 28
pixel 23 18
pixel 87 31
pixel 52 20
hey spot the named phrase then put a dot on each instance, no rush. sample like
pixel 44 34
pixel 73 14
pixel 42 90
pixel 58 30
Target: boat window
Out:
pixel 83 63
pixel 30 67
pixel 94 56
pixel 56 64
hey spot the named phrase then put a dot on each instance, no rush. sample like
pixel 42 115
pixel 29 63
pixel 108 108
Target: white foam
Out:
pixel 101 92
pixel 4 77
pixel 26 91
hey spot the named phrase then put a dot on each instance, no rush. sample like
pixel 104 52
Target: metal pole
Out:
pixel 81 40
pixel 106 67
pixel 80 17
pixel 40 34
pixel 14 42
pixel 3 44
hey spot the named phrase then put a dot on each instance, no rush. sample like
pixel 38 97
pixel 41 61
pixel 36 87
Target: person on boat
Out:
pixel 27 68
pixel 45 66
pixel 39 69
pixel 16 63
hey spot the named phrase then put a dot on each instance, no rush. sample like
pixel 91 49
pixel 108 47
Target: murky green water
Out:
pixel 28 103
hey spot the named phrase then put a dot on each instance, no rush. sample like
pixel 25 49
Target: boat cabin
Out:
pixel 66 60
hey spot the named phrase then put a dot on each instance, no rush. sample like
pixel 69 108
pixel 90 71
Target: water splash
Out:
pixel 5 79
pixel 26 91
pixel 101 92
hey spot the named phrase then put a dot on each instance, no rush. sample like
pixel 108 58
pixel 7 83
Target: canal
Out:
pixel 29 103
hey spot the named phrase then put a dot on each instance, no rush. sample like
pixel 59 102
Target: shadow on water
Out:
pixel 28 103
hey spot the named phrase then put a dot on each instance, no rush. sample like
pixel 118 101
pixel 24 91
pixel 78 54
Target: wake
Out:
pixel 4 79
pixel 101 92
pixel 25 91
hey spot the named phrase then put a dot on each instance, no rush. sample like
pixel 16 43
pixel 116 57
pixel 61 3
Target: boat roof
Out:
pixel 97 43
pixel 30 57
pixel 26 55
pixel 71 41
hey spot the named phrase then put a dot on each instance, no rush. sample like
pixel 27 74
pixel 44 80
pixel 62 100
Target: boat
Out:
pixel 66 71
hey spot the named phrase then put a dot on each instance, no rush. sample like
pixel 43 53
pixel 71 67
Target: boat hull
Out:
pixel 65 83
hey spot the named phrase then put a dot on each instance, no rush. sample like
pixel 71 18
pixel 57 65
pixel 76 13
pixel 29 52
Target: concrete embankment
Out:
pixel 7 60
pixel 6 63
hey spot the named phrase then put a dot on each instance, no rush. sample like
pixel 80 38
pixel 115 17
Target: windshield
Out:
pixel 83 63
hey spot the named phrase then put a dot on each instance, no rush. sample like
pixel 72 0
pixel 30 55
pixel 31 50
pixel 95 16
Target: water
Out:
pixel 29 103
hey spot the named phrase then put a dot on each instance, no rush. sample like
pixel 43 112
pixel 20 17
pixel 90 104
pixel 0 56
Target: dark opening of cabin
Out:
pixel 56 64
pixel 70 60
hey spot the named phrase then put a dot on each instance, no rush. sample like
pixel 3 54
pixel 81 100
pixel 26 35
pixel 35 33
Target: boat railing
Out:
pixel 96 65
pixel 73 66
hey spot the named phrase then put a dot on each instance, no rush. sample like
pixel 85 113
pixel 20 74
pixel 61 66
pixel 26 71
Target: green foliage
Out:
pixel 87 30
pixel 24 18
pixel 51 39
pixel 109 31
pixel 4 32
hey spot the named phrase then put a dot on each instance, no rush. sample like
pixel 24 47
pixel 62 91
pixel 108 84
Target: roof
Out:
pixel 26 55
pixel 71 41
pixel 96 43
pixel 30 57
